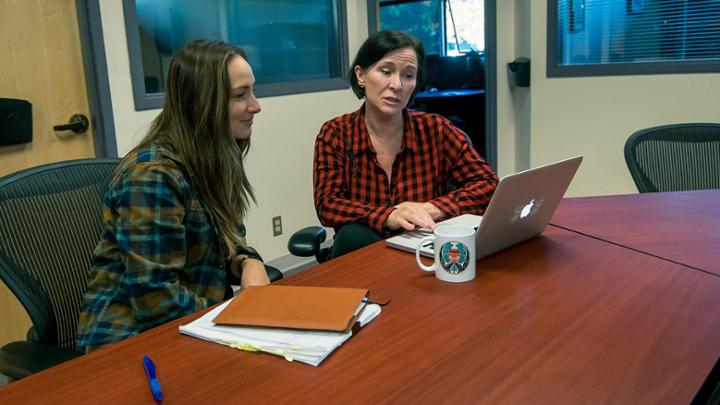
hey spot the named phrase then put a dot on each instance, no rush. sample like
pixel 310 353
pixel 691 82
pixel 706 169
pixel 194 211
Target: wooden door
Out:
pixel 42 63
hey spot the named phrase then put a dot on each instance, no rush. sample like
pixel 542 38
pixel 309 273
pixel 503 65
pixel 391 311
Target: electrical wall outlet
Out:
pixel 277 225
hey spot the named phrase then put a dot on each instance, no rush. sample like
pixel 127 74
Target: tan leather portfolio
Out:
pixel 296 307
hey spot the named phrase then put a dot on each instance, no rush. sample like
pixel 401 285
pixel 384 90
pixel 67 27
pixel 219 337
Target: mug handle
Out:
pixel 417 254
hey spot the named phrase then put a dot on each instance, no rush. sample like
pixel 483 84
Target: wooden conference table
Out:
pixel 683 227
pixel 562 318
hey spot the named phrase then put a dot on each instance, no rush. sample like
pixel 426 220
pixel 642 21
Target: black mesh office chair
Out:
pixel 675 157
pixel 50 220
pixel 50 223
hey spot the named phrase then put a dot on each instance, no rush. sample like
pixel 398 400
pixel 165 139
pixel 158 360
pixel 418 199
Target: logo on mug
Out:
pixel 454 257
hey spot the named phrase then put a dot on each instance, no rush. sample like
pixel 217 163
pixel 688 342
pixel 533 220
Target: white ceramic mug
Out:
pixel 454 248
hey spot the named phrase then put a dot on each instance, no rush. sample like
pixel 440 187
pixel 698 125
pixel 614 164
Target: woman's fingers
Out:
pixel 410 215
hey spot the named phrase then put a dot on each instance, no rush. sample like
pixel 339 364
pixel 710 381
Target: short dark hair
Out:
pixel 380 44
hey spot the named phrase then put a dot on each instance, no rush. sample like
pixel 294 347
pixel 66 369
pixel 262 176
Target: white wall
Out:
pixel 280 161
pixel 592 116
pixel 553 119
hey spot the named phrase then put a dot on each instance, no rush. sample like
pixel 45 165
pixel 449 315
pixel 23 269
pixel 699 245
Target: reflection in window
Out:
pixel 287 41
pixel 444 27
pixel 464 26
pixel 625 35
pixel 424 24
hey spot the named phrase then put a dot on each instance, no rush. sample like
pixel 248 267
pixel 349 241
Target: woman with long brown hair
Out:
pixel 173 238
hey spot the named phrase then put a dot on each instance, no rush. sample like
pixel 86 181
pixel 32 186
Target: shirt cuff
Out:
pixel 376 220
pixel 447 206
pixel 236 271
pixel 249 252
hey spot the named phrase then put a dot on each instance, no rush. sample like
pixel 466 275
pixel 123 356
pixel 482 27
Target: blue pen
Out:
pixel 152 379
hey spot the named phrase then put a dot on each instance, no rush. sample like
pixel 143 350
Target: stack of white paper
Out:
pixel 307 346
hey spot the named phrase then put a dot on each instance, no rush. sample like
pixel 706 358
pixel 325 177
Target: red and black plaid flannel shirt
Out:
pixel 350 186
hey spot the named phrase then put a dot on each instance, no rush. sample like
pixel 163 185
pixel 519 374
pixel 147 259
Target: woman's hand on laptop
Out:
pixel 411 215
pixel 434 211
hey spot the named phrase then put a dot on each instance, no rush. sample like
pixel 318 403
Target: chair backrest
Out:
pixel 50 223
pixel 675 157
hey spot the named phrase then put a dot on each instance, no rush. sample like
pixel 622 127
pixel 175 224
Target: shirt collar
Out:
pixel 362 143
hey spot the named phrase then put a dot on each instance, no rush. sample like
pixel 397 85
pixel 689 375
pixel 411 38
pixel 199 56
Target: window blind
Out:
pixel 607 32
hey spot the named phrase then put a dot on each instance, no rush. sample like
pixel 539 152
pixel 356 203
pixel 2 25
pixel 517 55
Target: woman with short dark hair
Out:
pixel 384 168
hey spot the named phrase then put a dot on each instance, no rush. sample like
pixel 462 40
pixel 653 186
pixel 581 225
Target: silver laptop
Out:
pixel 520 209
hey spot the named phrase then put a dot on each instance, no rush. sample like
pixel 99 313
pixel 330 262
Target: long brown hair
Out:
pixel 194 124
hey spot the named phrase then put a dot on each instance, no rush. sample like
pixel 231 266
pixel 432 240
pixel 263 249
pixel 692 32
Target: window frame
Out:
pixel 147 101
pixel 554 69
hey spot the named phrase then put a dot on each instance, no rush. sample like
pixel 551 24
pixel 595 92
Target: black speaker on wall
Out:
pixel 519 72
pixel 15 121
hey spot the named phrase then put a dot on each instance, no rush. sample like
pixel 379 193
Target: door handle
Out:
pixel 78 123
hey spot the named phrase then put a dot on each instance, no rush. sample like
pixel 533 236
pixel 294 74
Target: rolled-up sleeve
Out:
pixel 474 180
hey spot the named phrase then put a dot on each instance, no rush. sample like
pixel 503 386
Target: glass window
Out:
pixel 594 37
pixel 424 25
pixel 464 26
pixel 463 22
pixel 293 46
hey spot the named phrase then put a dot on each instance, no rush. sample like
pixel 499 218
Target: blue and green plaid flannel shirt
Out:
pixel 159 256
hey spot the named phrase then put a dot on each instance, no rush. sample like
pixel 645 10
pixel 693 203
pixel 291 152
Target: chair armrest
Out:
pixel 306 242
pixel 273 273
pixel 22 358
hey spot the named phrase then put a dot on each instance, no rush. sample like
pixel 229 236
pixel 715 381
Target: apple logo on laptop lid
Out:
pixel 527 210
